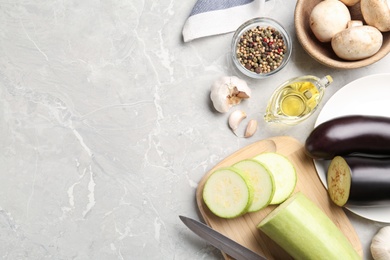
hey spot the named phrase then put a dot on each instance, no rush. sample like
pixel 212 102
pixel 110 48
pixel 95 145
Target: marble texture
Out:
pixel 106 126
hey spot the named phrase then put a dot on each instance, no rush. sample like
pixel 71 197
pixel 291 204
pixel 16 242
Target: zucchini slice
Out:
pixel 227 193
pixel 284 174
pixel 261 180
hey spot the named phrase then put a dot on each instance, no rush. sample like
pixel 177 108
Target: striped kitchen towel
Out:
pixel 212 17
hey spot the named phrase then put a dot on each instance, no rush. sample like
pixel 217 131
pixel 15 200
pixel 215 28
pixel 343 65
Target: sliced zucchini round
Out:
pixel 283 171
pixel 227 193
pixel 261 180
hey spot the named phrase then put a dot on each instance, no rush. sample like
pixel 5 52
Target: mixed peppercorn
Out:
pixel 261 49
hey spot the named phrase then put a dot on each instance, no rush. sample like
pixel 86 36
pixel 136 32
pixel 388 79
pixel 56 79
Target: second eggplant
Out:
pixel 359 181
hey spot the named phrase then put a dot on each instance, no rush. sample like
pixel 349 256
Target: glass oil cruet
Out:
pixel 296 99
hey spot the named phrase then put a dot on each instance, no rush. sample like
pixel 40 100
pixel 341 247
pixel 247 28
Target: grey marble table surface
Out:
pixel 106 126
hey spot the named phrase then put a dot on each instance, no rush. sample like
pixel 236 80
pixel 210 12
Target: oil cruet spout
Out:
pixel 296 99
pixel 326 81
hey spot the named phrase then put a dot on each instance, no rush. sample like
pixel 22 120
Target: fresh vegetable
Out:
pixel 328 18
pixel 227 92
pixel 376 13
pixel 227 193
pixel 359 180
pixel 305 232
pixel 284 174
pixel 330 21
pixel 380 244
pixel 369 135
pixel 357 42
pixel 235 119
pixel 249 185
pixel 261 180
pixel 339 181
pixel 251 128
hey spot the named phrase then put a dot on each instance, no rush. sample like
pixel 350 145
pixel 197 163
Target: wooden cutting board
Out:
pixel 243 229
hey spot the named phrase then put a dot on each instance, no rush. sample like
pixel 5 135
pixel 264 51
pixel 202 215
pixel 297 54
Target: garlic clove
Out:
pixel 241 94
pixel 228 91
pixel 235 119
pixel 251 128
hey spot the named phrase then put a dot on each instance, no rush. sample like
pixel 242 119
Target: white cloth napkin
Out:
pixel 212 17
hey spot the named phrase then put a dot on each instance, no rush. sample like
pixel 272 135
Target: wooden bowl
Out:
pixel 322 52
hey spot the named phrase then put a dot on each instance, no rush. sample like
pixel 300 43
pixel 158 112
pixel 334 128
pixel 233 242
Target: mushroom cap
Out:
pixel 376 13
pixel 328 18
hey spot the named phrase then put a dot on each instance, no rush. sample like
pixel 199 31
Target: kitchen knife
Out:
pixel 220 241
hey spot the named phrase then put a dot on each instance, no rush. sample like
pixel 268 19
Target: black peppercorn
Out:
pixel 261 49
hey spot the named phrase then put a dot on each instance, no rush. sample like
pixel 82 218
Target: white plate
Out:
pixel 365 96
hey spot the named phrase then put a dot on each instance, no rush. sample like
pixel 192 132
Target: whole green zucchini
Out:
pixel 359 181
pixel 354 134
pixel 304 231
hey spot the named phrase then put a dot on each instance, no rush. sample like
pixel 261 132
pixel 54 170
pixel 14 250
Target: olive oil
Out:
pixel 296 99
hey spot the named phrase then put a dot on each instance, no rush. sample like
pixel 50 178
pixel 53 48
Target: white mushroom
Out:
pixel 357 42
pixel 328 18
pixel 350 2
pixel 354 23
pixel 376 13
pixel 227 92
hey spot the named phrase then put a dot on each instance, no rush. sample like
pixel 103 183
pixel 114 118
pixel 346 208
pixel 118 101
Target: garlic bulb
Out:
pixel 380 244
pixel 228 91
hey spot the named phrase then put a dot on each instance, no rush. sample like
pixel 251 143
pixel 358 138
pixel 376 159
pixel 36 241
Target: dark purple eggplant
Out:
pixel 359 181
pixel 355 134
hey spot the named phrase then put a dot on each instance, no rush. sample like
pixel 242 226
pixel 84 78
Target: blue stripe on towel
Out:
pixel 203 6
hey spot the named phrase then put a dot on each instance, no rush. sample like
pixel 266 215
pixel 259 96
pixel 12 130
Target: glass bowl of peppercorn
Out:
pixel 261 47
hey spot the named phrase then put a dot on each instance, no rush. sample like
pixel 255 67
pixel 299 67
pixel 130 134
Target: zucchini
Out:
pixel 261 180
pixel 359 181
pixel 283 172
pixel 227 193
pixel 305 232
pixel 355 134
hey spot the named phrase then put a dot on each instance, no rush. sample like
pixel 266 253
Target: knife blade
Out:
pixel 220 241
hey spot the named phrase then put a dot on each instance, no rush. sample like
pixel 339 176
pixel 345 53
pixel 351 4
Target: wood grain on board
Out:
pixel 243 229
